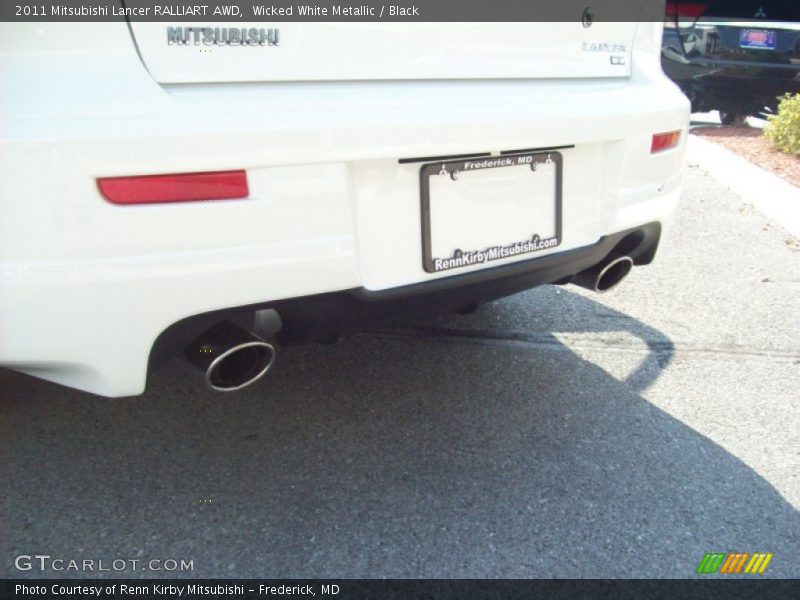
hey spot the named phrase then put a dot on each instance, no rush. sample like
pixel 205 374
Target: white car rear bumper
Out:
pixel 88 286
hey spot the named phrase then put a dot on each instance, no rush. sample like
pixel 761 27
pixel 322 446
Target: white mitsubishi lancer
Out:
pixel 218 189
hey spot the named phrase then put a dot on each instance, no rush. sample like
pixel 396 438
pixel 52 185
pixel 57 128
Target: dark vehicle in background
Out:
pixel 734 56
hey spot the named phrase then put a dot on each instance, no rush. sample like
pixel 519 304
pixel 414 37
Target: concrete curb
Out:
pixel 771 195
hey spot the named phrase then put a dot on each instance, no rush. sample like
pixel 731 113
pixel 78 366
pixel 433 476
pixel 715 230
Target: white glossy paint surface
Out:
pixel 86 287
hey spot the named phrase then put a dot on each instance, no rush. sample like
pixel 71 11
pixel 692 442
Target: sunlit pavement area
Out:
pixel 553 433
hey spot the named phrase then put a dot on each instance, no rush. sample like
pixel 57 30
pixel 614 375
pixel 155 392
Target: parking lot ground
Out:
pixel 553 433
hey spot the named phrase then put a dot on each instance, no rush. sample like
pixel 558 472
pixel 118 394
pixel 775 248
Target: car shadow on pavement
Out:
pixel 477 446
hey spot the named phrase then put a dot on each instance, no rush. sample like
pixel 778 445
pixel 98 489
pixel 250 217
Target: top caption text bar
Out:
pixel 207 11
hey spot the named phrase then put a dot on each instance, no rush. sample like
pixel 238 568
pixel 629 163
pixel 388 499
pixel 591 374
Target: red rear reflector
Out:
pixel 665 141
pixel 179 187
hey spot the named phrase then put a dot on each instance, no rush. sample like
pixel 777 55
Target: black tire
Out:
pixel 731 118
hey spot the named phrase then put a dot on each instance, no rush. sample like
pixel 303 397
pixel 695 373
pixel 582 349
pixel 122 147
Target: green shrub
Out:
pixel 783 130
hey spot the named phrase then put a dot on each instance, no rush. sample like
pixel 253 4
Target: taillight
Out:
pixel 665 141
pixel 178 187
pixel 690 10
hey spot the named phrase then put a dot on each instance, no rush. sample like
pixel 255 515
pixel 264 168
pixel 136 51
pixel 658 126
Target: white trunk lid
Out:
pixel 213 53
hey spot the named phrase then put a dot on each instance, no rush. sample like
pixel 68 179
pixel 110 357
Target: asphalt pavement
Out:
pixel 554 433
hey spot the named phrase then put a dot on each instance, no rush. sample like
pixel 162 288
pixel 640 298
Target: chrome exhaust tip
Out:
pixel 605 275
pixel 230 357
pixel 240 366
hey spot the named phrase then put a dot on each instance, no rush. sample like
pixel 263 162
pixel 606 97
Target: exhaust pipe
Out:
pixel 606 274
pixel 230 357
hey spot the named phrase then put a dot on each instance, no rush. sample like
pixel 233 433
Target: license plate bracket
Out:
pixel 505 193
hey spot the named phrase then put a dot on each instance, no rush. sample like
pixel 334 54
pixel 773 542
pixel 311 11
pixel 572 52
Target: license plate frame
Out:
pixel 446 168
